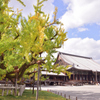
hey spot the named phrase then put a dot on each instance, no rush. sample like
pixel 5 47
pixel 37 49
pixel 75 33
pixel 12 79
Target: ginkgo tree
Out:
pixel 26 43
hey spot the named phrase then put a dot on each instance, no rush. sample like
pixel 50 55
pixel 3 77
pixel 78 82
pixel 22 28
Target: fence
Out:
pixel 62 94
pixel 12 88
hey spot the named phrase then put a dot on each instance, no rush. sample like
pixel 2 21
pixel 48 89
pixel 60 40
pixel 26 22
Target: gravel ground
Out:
pixel 86 92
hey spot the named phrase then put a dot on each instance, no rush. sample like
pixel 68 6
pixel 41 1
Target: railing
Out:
pixel 12 88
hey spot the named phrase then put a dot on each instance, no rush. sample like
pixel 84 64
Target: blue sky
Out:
pixel 61 7
pixel 81 19
pixel 91 30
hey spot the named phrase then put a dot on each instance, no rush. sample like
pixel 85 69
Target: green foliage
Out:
pixel 24 41
pixel 21 2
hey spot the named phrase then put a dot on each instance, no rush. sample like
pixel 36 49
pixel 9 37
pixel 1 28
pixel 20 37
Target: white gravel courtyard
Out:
pixel 86 92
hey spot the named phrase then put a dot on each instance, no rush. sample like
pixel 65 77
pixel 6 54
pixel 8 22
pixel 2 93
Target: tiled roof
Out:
pixel 80 62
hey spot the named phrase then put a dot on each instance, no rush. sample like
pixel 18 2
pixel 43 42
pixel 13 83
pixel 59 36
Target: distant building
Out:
pixel 83 69
pixel 53 78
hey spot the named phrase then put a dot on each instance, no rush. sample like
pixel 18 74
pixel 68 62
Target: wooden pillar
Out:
pixel 64 78
pixel 87 77
pixel 99 78
pixel 76 77
pixel 82 78
pixel 73 76
pixel 96 77
pixel 79 76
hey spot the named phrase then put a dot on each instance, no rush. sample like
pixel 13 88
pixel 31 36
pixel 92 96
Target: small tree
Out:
pixel 28 43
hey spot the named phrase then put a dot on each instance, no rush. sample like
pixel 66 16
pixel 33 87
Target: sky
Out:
pixel 81 21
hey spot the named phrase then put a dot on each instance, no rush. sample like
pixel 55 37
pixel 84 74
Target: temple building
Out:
pixel 53 78
pixel 83 69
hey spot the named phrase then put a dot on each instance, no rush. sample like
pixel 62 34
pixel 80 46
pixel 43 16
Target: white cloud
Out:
pixel 80 12
pixel 98 23
pixel 82 29
pixel 26 10
pixel 48 7
pixel 84 47
pixel 66 1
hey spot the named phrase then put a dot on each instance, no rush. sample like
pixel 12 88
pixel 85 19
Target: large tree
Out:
pixel 26 43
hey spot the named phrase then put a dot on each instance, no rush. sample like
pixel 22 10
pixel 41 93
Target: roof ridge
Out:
pixel 75 55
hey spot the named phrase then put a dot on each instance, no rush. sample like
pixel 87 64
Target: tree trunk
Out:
pixel 37 92
pixel 33 83
pixel 40 83
pixel 16 86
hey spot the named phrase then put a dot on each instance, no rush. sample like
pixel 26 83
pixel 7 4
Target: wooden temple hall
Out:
pixel 84 70
pixel 53 78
